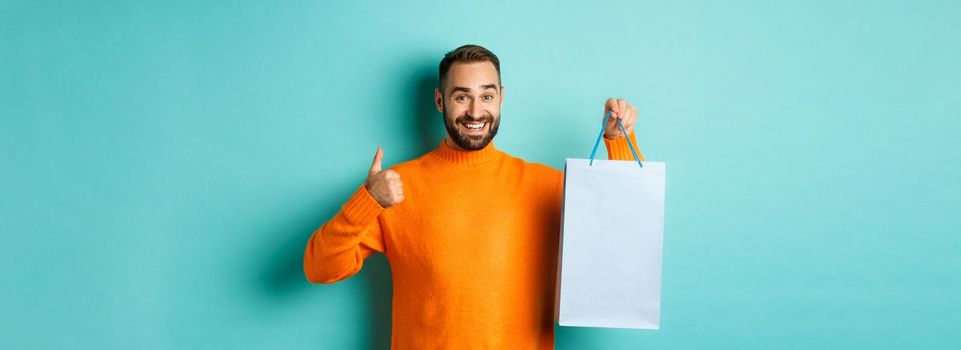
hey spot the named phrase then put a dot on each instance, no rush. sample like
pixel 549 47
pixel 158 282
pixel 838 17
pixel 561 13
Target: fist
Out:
pixel 622 110
pixel 384 185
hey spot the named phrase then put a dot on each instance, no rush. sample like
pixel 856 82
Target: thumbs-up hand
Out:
pixel 384 185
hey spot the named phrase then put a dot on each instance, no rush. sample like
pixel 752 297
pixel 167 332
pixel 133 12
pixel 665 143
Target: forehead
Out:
pixel 472 74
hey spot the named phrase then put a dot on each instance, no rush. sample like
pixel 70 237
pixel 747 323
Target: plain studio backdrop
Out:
pixel 163 163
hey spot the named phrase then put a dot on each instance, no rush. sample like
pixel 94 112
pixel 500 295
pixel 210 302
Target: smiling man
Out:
pixel 471 233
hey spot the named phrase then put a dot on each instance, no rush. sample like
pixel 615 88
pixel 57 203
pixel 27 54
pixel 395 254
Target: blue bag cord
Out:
pixel 607 117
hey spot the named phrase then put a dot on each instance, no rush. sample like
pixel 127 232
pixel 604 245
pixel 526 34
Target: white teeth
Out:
pixel 475 125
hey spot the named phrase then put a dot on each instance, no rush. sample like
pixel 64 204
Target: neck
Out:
pixel 449 151
pixel 452 144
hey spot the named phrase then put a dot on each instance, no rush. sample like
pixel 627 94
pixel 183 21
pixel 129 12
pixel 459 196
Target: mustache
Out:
pixel 468 119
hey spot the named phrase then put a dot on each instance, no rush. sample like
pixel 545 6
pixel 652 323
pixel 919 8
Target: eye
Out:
pixel 461 98
pixel 488 97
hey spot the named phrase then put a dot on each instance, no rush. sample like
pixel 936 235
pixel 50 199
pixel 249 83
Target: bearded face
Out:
pixel 470 100
pixel 471 132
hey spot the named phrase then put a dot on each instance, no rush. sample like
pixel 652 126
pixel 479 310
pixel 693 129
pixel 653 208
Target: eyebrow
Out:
pixel 467 89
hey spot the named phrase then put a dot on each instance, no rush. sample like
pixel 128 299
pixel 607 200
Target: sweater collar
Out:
pixel 482 156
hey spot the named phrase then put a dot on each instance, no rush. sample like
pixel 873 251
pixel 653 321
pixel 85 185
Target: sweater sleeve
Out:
pixel 337 249
pixel 617 149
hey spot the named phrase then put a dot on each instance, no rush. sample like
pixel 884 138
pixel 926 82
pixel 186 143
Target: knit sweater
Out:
pixel 472 248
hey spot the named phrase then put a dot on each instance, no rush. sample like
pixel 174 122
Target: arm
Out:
pixel 338 248
pixel 618 149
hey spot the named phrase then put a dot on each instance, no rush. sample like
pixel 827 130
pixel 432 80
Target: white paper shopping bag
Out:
pixel 611 244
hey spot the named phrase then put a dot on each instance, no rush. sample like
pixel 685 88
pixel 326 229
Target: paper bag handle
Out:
pixel 607 117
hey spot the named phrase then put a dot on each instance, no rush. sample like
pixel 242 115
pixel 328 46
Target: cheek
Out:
pixel 454 110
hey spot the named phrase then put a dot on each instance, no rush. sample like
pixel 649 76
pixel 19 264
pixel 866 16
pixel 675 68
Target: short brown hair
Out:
pixel 467 54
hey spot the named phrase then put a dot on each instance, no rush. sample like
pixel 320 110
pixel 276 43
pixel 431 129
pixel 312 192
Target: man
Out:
pixel 471 233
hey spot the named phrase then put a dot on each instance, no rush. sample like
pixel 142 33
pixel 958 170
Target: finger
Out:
pixel 394 178
pixel 621 108
pixel 378 158
pixel 612 106
pixel 396 196
pixel 631 118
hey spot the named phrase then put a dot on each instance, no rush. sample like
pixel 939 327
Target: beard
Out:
pixel 471 142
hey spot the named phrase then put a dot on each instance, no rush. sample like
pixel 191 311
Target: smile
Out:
pixel 474 128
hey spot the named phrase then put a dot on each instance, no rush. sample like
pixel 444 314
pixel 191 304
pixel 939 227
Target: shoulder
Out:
pixel 539 179
pixel 407 167
pixel 411 166
pixel 538 170
pixel 543 169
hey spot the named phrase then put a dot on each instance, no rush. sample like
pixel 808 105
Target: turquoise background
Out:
pixel 162 164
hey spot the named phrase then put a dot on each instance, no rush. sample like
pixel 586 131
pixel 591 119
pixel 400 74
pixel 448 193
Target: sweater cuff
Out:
pixel 361 208
pixel 618 149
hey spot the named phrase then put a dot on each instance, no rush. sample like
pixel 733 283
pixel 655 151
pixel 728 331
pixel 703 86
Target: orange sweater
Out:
pixel 472 248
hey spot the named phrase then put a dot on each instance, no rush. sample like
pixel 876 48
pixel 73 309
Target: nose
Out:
pixel 475 109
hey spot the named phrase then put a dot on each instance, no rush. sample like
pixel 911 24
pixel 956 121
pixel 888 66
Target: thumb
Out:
pixel 612 107
pixel 375 167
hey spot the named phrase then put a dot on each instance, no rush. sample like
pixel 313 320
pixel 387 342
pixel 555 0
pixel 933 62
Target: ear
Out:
pixel 438 100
